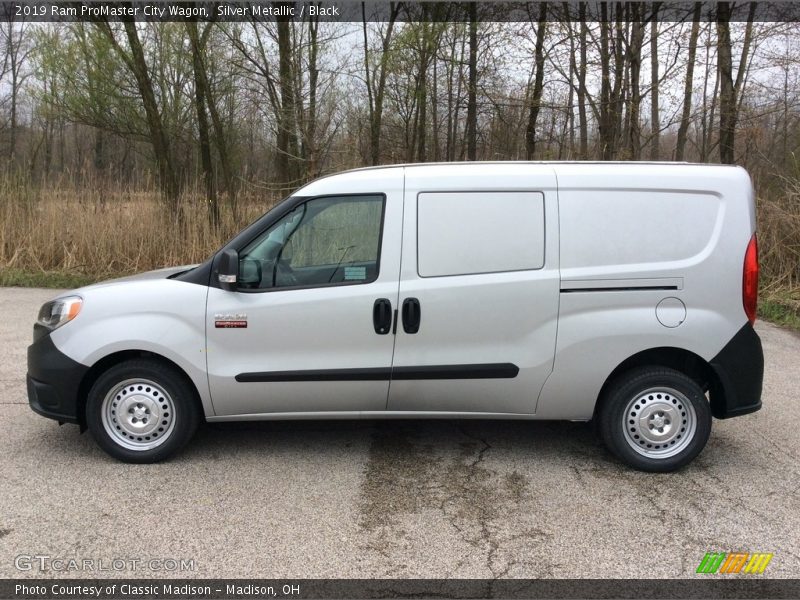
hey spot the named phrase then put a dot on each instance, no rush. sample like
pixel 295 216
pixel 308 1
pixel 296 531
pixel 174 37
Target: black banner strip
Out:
pixel 343 11
pixel 710 587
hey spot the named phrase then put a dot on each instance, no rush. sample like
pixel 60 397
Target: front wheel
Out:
pixel 655 419
pixel 141 411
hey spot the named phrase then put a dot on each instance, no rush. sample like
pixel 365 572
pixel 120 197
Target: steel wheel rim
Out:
pixel 659 422
pixel 138 414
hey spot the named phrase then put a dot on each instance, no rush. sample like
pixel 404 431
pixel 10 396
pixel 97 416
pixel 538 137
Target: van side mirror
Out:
pixel 228 270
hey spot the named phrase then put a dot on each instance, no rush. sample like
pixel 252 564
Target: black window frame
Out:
pixel 261 226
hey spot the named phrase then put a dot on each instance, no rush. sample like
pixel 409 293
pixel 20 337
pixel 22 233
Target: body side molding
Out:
pixel 479 371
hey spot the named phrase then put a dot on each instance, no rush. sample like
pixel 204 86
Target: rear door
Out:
pixel 479 289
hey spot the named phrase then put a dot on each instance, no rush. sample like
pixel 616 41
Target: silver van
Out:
pixel 620 292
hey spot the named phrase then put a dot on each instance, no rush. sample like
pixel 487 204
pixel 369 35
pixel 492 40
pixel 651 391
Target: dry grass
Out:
pixel 779 239
pixel 105 233
pixel 779 252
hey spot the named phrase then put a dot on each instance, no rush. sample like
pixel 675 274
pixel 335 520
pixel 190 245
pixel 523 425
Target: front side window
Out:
pixel 331 240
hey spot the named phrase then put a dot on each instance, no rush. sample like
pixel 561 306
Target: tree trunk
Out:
pixel 569 124
pixel 99 158
pixel 730 91
pixel 48 147
pixel 472 92
pixel 422 89
pixel 435 109
pixel 727 96
pixel 538 83
pixel 604 124
pixel 200 95
pixel 582 120
pixel 450 70
pixel 368 83
pixel 712 116
pixel 617 91
pixel 310 128
pixel 286 157
pixel 705 121
pixel 655 119
pixel 459 90
pixel 683 130
pixel 12 140
pixel 635 59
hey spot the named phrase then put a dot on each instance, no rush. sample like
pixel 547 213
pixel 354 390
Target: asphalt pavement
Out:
pixel 363 499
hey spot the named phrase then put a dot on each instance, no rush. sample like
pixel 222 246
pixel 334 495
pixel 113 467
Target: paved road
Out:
pixel 398 499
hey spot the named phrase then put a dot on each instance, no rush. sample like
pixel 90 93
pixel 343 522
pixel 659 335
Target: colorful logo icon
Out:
pixel 734 562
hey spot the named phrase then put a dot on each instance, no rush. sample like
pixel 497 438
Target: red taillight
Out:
pixel 750 280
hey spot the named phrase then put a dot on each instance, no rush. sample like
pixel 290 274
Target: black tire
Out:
pixel 660 411
pixel 159 395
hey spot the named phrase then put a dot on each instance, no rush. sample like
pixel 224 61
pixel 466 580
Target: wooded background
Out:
pixel 126 146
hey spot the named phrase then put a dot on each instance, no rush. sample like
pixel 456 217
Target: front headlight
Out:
pixel 55 313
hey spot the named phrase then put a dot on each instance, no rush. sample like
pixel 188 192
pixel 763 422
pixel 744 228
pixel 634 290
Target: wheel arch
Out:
pixel 684 361
pixel 115 358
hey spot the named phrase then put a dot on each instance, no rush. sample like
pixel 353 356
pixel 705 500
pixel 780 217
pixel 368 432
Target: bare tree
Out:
pixel 582 94
pixel 606 129
pixel 635 62
pixel 730 90
pixel 680 145
pixel 375 78
pixel 472 88
pixel 16 52
pixel 134 59
pixel 287 150
pixel 538 83
pixel 200 96
pixel 655 119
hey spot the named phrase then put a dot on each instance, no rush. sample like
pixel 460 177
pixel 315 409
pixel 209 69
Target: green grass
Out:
pixel 780 311
pixel 45 279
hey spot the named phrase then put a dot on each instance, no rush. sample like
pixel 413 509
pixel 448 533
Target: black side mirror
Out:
pixel 228 270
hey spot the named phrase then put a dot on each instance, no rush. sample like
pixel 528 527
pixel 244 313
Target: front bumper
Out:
pixel 53 381
pixel 739 367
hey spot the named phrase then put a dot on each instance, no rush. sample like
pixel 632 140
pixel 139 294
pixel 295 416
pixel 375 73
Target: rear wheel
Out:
pixel 655 419
pixel 141 411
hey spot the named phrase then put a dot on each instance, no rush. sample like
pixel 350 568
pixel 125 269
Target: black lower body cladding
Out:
pixel 739 366
pixel 53 381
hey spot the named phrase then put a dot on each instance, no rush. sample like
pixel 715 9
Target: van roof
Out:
pixel 535 162
pixel 566 166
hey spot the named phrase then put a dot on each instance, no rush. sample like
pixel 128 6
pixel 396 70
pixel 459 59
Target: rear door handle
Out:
pixel 382 316
pixel 412 315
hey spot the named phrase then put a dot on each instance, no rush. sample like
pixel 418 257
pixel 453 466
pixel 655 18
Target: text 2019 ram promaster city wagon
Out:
pixel 624 293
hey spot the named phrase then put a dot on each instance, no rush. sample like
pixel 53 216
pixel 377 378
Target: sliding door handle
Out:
pixel 382 316
pixel 411 315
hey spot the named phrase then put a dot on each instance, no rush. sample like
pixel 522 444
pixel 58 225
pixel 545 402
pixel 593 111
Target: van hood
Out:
pixel 164 273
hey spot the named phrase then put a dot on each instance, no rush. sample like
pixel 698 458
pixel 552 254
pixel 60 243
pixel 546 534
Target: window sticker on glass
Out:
pixel 355 273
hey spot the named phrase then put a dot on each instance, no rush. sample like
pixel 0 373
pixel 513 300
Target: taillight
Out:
pixel 750 280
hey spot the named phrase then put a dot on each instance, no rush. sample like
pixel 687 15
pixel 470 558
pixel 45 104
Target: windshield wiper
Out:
pixel 339 264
